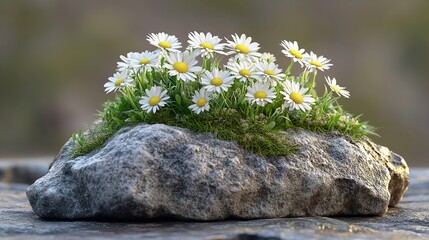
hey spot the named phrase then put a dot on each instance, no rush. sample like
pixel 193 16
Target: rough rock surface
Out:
pixel 408 220
pixel 158 171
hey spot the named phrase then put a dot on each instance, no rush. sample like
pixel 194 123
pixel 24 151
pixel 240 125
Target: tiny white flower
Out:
pixel 145 60
pixel 201 101
pixel 118 81
pixel 206 44
pixel 243 46
pixel 126 61
pixel 269 70
pixel 312 61
pixel 345 119
pixel 243 70
pixel 291 49
pixel 164 41
pixel 340 91
pixel 154 99
pixel 238 59
pixel 296 97
pixel 182 65
pixel 268 57
pixel 260 93
pixel 217 80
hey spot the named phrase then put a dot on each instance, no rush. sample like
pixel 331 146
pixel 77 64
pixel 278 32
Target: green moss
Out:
pixel 261 134
pixel 255 137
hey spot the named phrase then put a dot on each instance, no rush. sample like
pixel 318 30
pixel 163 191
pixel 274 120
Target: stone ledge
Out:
pixel 410 219
pixel 23 170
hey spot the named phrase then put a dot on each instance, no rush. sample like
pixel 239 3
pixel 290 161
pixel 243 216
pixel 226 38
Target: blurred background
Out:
pixel 55 57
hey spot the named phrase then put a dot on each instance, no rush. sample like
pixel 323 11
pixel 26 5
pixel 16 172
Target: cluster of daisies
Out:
pixel 197 71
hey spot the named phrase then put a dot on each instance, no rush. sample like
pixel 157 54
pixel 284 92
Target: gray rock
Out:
pixel 408 220
pixel 158 171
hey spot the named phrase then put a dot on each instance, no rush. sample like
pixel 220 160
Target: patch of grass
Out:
pixel 262 134
pixel 255 137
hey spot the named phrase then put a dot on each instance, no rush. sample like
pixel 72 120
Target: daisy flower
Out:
pixel 243 46
pixel 243 70
pixel 292 50
pixel 267 57
pixel 118 81
pixel 340 91
pixel 154 99
pixel 217 80
pixel 164 41
pixel 312 61
pixel 295 96
pixel 126 61
pixel 182 65
pixel 145 60
pixel 201 101
pixel 269 70
pixel 260 93
pixel 206 44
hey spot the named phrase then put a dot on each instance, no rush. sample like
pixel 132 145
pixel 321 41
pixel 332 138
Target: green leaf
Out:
pixel 313 93
pixel 178 99
pixel 271 125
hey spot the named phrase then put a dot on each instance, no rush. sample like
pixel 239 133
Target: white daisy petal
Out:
pixel 340 91
pixel 155 97
pixel 268 57
pixel 118 81
pixel 292 51
pixel 164 42
pixel 260 93
pixel 125 64
pixel 217 80
pixel 182 65
pixel 243 70
pixel 201 100
pixel 314 62
pixel 294 97
pixel 243 46
pixel 206 44
pixel 269 71
pixel 145 60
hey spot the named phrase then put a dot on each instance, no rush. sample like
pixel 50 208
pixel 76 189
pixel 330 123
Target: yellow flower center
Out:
pixel 118 82
pixel 260 94
pixel 296 97
pixel 269 72
pixel 244 73
pixel 164 44
pixel 216 81
pixel 144 61
pixel 181 67
pixel 153 101
pixel 295 53
pixel 335 88
pixel 201 102
pixel 315 63
pixel 242 48
pixel 207 45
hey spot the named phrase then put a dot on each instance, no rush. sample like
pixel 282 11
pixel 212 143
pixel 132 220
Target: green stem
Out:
pixel 289 68
pixel 224 99
pixel 303 77
pixel 314 79
pixel 131 96
pixel 141 81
